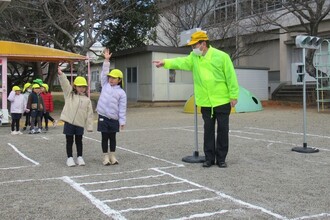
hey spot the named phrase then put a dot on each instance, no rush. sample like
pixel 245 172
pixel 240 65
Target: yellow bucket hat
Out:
pixel 26 85
pixel 36 86
pixel 197 36
pixel 16 88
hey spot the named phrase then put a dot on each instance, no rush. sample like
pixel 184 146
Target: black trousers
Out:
pixel 216 149
pixel 47 116
pixel 69 145
pixel 106 138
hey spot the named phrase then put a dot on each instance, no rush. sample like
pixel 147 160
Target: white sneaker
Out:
pixel 80 161
pixel 32 131
pixel 14 132
pixel 70 162
pixel 19 132
pixel 38 130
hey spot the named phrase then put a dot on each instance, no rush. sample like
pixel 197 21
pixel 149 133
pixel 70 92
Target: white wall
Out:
pixel 163 90
pixel 254 80
pixel 153 83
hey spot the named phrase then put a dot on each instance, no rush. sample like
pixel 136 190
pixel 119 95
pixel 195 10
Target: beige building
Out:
pixel 238 25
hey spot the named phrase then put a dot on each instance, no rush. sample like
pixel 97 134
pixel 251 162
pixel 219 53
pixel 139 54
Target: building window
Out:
pixel 225 10
pixel 131 74
pixel 179 77
pixel 172 76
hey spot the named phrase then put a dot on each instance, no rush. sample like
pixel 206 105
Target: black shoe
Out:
pixel 222 164
pixel 208 163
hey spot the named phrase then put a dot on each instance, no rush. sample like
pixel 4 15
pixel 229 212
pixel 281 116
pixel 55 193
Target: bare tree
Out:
pixel 180 15
pixel 224 30
pixel 67 25
pixel 308 17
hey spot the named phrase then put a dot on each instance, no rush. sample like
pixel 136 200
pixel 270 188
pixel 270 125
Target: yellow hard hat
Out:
pixel 80 81
pixel 26 85
pixel 16 88
pixel 36 86
pixel 116 73
pixel 45 86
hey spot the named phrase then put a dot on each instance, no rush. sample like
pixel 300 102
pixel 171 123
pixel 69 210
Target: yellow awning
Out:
pixel 15 51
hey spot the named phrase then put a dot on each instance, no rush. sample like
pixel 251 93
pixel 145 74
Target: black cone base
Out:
pixel 305 149
pixel 194 158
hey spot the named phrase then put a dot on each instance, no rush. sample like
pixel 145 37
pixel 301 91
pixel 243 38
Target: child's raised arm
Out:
pixel 107 55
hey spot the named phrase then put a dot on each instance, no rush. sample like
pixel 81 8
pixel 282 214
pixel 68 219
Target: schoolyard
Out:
pixel 265 179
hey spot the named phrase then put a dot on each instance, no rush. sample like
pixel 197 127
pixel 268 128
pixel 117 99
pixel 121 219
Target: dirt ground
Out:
pixel 265 179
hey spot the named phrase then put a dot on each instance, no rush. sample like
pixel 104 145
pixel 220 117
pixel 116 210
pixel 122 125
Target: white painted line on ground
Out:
pixel 264 140
pixel 277 142
pixel 203 215
pixel 22 155
pixel 145 155
pixel 100 205
pixel 170 204
pixel 288 132
pixel 313 216
pixel 17 181
pixel 246 132
pixel 14 168
pixel 136 187
pixel 118 180
pixel 223 195
pixel 117 214
pixel 151 195
pixel 100 174
pixel 154 129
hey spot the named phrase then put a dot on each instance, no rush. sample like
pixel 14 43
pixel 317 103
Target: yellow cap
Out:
pixel 45 86
pixel 80 81
pixel 16 88
pixel 197 36
pixel 116 73
pixel 36 86
pixel 26 85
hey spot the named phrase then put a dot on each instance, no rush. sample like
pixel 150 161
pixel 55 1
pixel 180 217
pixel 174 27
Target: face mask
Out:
pixel 29 90
pixel 197 51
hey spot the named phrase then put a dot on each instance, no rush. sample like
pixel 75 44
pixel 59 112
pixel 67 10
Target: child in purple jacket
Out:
pixel 111 108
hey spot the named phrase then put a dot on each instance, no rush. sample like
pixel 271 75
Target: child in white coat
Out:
pixel 77 114
pixel 17 108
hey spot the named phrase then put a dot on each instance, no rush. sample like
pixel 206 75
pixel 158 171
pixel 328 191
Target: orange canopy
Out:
pixel 15 51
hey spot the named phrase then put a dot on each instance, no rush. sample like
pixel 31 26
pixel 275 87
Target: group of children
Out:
pixel 77 113
pixel 35 102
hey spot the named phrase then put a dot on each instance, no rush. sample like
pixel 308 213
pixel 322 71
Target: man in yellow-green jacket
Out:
pixel 216 91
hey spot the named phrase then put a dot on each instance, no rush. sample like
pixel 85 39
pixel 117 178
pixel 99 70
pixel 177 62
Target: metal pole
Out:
pixel 304 148
pixel 196 128
pixel 304 96
pixel 195 158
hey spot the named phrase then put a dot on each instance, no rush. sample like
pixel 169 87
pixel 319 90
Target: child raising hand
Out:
pixel 77 114
pixel 111 108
